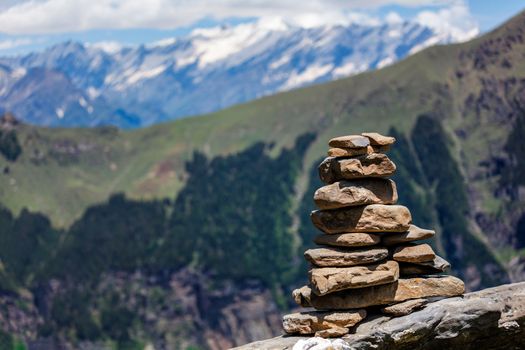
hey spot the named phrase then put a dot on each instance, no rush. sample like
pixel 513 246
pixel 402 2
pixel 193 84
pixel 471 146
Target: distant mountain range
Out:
pixel 75 84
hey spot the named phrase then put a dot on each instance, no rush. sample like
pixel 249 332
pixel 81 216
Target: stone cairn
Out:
pixel 368 261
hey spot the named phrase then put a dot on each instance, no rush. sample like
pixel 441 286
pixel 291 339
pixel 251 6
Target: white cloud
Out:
pixel 14 43
pixel 393 18
pixel 54 16
pixel 454 20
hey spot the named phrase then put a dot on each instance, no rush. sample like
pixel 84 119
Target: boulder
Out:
pixel 331 257
pixel 370 165
pixel 317 321
pixel 356 239
pixel 416 253
pixel 350 141
pixel 356 192
pixel 401 290
pixel 437 265
pixel 377 139
pixel 327 280
pixel 414 233
pixel 370 218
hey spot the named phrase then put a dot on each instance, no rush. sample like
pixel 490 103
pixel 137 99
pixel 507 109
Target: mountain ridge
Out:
pixel 210 69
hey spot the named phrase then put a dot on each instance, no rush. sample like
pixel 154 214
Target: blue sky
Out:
pixel 29 25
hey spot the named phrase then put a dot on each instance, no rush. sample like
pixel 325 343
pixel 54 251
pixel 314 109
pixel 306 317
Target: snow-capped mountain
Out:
pixel 74 84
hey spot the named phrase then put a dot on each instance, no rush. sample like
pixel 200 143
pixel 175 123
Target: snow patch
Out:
pixel 18 73
pixel 385 62
pixel 347 69
pixel 145 74
pixel 280 62
pixel 60 112
pixel 93 93
pixel 82 101
pixel 308 75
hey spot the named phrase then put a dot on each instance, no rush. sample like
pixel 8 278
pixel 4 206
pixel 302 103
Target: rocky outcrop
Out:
pixel 490 319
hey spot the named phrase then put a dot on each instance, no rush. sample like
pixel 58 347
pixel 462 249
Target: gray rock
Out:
pixel 491 319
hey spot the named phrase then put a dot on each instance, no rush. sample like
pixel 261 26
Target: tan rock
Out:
pixel 414 233
pixel 326 280
pixel 370 165
pixel 335 332
pixel 404 308
pixel 352 152
pixel 356 192
pixel 438 265
pixel 401 290
pixel 333 257
pixel 356 239
pixel 350 141
pixel 347 152
pixel 414 253
pixel 377 139
pixel 370 218
pixel 318 321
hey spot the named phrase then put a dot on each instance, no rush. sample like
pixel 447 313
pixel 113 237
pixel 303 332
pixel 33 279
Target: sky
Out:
pixel 29 25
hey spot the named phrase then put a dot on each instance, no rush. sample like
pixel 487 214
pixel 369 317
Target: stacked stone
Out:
pixel 369 257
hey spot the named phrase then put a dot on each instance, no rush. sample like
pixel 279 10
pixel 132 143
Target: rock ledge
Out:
pixel 493 318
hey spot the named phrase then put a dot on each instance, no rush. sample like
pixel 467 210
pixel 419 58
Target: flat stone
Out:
pixel 401 290
pixel 352 152
pixel 377 139
pixel 333 257
pixel 438 265
pixel 318 321
pixel 356 239
pixel 414 233
pixel 356 192
pixel 348 152
pixel 350 141
pixel 327 280
pixel 416 253
pixel 370 218
pixel 404 308
pixel 333 169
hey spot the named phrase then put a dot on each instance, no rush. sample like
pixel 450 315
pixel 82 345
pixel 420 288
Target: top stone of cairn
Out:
pixel 361 141
pixel 350 141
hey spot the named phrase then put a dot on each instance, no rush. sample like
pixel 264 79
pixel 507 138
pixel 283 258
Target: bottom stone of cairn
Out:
pixel 370 258
pixel 323 324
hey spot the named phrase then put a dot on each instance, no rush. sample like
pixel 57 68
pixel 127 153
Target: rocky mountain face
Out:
pixel 74 84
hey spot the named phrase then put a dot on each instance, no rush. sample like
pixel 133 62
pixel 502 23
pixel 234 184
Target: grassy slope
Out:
pixel 62 181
